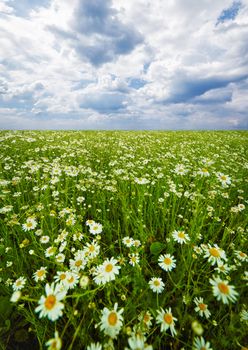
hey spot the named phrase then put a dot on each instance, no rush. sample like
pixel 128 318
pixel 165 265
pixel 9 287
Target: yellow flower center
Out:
pixel 112 318
pixel 202 306
pixel 108 267
pixel 168 318
pixel 50 302
pixel 78 263
pixel 91 248
pixel 223 177
pixel 62 276
pixel 223 288
pixel 167 261
pixel 156 283
pixel 214 252
pixel 40 273
pixel 146 318
pixel 181 234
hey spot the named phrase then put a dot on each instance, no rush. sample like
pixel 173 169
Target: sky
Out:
pixel 124 64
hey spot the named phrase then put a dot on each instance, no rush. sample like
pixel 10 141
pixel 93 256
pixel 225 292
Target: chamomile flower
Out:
pixel 134 259
pixel 54 343
pixel 156 284
pixel 146 319
pixel 214 254
pixel 107 271
pixel 40 274
pixel 60 277
pixel 137 342
pixel 19 283
pixel 128 241
pixel 201 344
pixel 167 262
pixel 94 346
pixel 79 261
pixel 111 321
pixel 166 320
pixel 72 279
pixel 30 224
pixel 241 255
pixel 44 239
pixel 50 305
pixel 222 290
pixel 96 228
pixel 180 237
pixel 224 179
pixel 91 250
pixel 201 308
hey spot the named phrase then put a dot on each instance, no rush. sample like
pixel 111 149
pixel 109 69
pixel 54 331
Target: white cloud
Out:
pixel 176 69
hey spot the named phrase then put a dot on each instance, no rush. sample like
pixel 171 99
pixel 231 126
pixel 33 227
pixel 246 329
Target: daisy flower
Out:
pixel 94 346
pixel 156 284
pixel 30 224
pixel 19 283
pixel 201 308
pixel 134 259
pixel 166 320
pixel 107 271
pixel 60 277
pixel 72 279
pixel 224 179
pixel 222 290
pixel 79 261
pixel 128 241
pixel 180 237
pixel 40 274
pixel 167 262
pixel 96 228
pixel 214 254
pixel 146 319
pixel 222 268
pixel 50 304
pixel 111 321
pixel 137 341
pixel 241 255
pixel 200 344
pixel 91 249
pixel 54 343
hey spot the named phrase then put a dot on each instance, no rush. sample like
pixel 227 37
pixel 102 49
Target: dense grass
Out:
pixel 142 185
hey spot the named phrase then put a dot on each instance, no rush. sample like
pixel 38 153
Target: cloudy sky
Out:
pixel 123 64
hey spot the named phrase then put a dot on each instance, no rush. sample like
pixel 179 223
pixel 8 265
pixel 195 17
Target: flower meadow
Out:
pixel 123 240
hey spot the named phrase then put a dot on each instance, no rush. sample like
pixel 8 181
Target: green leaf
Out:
pixel 156 248
pixel 5 307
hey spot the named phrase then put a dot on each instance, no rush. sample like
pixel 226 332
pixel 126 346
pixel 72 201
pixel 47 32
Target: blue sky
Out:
pixel 123 64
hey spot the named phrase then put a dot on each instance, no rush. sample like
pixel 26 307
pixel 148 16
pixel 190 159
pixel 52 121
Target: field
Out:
pixel 123 240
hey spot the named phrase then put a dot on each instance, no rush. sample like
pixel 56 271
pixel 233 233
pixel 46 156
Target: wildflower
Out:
pixel 146 319
pixel 180 237
pixel 222 268
pixel 92 249
pixel 107 271
pixel 50 304
pixel 15 296
pixel 30 224
pixel 111 321
pixel 19 283
pixel 137 342
pixel 40 274
pixel 204 172
pixel 156 285
pixel 94 346
pixel 54 343
pixel 201 308
pixel 200 344
pixel 214 254
pixel 167 262
pixel 241 255
pixel 50 251
pixel 60 258
pixel 71 280
pixel 79 262
pixel 222 290
pixel 224 179
pixel 134 259
pixel 128 241
pixel 166 320
pixel 44 239
pixel 96 228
